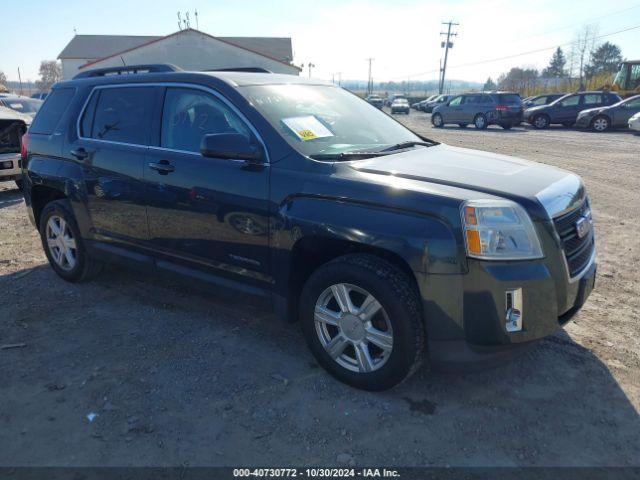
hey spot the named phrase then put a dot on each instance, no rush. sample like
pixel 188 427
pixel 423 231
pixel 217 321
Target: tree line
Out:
pixel 50 72
pixel 587 65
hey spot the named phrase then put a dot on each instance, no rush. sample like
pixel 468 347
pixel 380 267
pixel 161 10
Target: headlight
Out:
pixel 499 230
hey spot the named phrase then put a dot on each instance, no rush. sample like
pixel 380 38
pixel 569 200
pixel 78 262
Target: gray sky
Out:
pixel 337 36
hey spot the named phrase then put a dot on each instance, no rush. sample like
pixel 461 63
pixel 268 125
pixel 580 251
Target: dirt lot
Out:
pixel 177 377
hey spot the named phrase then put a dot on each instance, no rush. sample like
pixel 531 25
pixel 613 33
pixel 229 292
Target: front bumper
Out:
pixel 466 316
pixel 583 122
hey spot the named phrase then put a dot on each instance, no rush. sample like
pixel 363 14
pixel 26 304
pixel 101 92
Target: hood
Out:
pixel 532 184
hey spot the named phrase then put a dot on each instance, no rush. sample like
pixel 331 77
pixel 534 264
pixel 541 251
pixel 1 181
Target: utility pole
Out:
pixel 339 78
pixel 370 81
pixel 310 65
pixel 446 45
pixel 20 80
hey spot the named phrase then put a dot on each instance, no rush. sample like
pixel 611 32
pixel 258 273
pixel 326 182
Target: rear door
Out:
pixel 113 138
pixel 208 212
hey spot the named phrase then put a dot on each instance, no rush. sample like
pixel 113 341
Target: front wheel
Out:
pixel 541 122
pixel 600 123
pixel 437 121
pixel 361 319
pixel 63 243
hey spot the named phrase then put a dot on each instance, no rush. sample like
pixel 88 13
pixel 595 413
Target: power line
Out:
pixel 507 57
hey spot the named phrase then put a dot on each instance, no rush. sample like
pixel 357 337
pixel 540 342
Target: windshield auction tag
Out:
pixel 307 128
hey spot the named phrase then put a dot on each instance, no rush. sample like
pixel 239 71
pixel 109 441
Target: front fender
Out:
pixel 426 243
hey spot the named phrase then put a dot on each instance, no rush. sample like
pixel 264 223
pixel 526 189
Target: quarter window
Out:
pixel 190 114
pixel 122 115
pixel 50 113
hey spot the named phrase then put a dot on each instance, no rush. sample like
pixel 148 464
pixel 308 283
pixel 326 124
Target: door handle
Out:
pixel 162 167
pixel 79 153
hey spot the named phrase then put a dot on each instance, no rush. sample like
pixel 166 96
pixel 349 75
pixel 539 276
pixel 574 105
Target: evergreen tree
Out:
pixel 604 59
pixel 489 84
pixel 556 68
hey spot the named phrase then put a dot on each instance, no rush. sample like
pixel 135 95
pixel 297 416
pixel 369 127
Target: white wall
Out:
pixel 70 67
pixel 195 51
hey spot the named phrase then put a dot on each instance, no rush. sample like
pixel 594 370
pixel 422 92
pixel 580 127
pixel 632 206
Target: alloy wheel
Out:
pixel 61 244
pixel 353 327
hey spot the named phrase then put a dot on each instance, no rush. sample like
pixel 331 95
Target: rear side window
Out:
pixel 122 115
pixel 52 110
pixel 571 101
pixel 592 99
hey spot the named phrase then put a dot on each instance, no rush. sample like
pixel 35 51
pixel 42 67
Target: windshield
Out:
pixel 318 119
pixel 22 105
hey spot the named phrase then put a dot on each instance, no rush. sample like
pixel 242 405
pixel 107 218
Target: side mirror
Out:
pixel 232 146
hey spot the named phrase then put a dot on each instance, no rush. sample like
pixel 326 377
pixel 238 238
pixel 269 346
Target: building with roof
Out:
pixel 189 49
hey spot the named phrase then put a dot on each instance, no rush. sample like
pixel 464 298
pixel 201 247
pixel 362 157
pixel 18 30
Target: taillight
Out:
pixel 23 146
pixel 501 108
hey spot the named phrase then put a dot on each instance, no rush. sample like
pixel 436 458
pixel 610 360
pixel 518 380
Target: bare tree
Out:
pixel 50 73
pixel 3 78
pixel 583 44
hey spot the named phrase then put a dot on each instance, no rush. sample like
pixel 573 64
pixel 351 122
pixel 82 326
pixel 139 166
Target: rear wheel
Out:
pixel 541 122
pixel 600 124
pixel 480 121
pixel 436 120
pixel 361 319
pixel 63 243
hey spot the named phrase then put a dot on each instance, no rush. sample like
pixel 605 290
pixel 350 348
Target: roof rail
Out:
pixel 128 69
pixel 240 69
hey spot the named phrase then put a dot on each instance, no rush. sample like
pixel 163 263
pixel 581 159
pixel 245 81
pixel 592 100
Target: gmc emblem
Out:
pixel 583 226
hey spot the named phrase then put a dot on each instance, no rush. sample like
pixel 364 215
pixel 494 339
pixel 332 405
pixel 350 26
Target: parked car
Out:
pixel 392 98
pixel 439 100
pixel 634 122
pixel 422 106
pixel 544 99
pixel 400 105
pixel 375 100
pixel 481 109
pixel 565 109
pixel 385 245
pixel 12 126
pixel 20 104
pixel 40 95
pixel 615 116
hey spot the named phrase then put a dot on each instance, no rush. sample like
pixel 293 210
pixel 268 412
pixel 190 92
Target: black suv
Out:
pixel 481 109
pixel 565 110
pixel 385 245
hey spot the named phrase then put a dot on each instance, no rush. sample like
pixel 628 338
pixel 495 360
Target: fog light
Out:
pixel 513 310
pixel 6 165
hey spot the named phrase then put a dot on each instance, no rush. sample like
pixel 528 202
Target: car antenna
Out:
pixel 123 61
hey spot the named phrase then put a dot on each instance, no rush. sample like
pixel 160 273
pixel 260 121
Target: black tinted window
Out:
pixel 88 116
pixel 189 114
pixel 122 115
pixel 52 110
pixel 509 98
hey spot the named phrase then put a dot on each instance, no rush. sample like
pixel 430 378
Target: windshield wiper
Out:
pixel 401 145
pixel 348 155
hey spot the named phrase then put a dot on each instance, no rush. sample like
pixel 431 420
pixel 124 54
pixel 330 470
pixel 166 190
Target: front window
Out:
pixel 455 102
pixel 317 119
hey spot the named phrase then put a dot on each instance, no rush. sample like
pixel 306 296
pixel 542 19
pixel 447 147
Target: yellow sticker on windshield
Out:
pixel 307 128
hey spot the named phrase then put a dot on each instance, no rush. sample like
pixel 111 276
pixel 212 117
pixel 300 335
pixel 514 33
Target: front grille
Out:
pixel 577 251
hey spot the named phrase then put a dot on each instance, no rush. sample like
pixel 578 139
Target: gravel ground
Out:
pixel 173 376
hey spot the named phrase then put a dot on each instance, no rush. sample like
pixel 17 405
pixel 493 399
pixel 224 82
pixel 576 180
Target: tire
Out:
pixel 83 267
pixel 397 323
pixel 601 123
pixel 463 125
pixel 541 121
pixel 19 184
pixel 506 126
pixel 437 121
pixel 480 121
